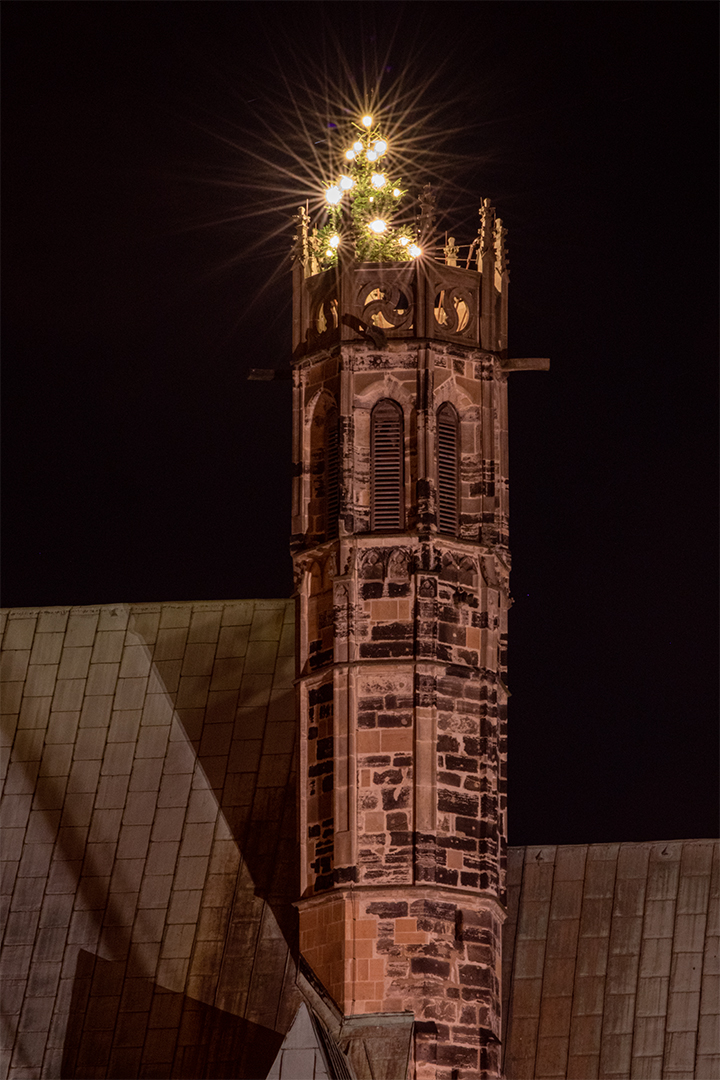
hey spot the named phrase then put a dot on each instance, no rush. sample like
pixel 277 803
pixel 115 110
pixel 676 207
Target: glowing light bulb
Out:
pixel 357 146
pixel 372 198
pixel 371 155
pixel 349 154
pixel 329 253
pixel 346 182
pixel 367 121
pixel 333 195
pixel 377 180
pixel 378 226
pixel 380 146
pixel 403 240
pixel 414 251
pixel 396 192
pixel 334 241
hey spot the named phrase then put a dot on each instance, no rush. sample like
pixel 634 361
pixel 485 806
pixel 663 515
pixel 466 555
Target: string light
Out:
pixel 380 146
pixel 349 154
pixel 371 155
pixel 357 147
pixel 367 121
pixel 346 182
pixel 378 226
pixel 377 180
pixel 334 241
pixel 396 192
pixel 415 251
pixel 333 195
pixel 403 240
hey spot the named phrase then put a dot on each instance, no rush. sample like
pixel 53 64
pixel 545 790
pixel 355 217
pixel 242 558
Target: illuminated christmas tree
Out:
pixel 362 208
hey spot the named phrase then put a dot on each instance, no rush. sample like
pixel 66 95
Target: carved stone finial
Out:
pixel 451 252
pixel 300 239
pixel 486 230
pixel 501 259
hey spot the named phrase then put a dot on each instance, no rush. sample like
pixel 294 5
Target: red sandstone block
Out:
pixel 395 740
pixel 366 928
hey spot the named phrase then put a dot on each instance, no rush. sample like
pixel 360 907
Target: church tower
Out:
pixel 400 549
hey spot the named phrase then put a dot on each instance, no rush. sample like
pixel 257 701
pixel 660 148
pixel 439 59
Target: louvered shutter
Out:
pixel 386 496
pixel 332 475
pixel 447 466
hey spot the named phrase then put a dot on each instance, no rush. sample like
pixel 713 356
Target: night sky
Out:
pixel 141 285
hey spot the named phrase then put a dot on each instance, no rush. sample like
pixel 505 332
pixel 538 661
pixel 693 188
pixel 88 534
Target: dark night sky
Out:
pixel 139 463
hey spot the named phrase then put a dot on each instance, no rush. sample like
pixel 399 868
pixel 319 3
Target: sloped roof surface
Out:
pixel 149 837
pixel 610 961
pixel 150 865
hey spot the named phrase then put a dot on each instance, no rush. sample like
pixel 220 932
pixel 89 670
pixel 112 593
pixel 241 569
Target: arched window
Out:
pixel 386 474
pixel 332 475
pixel 448 469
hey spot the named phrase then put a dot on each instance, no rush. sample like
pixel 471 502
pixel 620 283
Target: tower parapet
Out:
pixel 400 549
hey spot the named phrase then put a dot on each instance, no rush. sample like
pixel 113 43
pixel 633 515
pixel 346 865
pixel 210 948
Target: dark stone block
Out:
pixel 392 631
pixel 323 881
pixel 402 761
pixel 446 744
pixel 477 975
pixel 366 720
pixel 327 784
pixel 398 588
pixel 445 876
pixel 314 830
pixel 371 590
pixel 397 821
pixel 457 1056
pixel 400 839
pixel 373 704
pixel 390 650
pixel 397 910
pixel 320 694
pixel 434 910
pixel 324 747
pixel 389 776
pixel 472 746
pixel 457 843
pixel 449 778
pixel 391 802
pixel 321 768
pixel 312 733
pixel 375 761
pixel 464 764
pixel 428 965
pixel 470 881
pixel 454 671
pixel 344 874
pixel 468 826
pixel 386 720
pixel 456 803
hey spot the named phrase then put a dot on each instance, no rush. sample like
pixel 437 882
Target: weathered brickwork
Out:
pixel 404 635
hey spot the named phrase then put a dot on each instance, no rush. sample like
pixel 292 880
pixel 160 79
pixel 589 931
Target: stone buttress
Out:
pixel 400 548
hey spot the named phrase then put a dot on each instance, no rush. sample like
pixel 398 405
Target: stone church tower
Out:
pixel 400 548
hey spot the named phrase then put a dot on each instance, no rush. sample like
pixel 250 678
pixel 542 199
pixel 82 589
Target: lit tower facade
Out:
pixel 400 549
